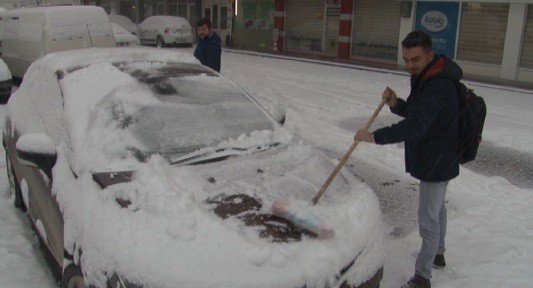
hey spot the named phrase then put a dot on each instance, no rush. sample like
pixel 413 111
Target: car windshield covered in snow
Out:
pixel 170 109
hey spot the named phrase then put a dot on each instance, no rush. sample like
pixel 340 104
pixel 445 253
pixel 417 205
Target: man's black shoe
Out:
pixel 439 262
pixel 417 282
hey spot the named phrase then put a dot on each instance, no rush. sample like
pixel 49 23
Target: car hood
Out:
pixel 168 226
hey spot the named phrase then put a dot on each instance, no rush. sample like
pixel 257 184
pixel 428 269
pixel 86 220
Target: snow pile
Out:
pixel 166 236
pixel 80 113
pixel 39 143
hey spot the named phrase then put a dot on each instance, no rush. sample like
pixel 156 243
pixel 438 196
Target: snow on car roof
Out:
pixel 70 59
pixel 174 20
pixel 123 21
pixel 61 22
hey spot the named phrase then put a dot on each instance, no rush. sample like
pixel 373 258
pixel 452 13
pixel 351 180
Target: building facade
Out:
pixel 487 38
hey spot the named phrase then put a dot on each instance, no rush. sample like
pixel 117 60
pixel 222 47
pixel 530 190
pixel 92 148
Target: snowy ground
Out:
pixel 490 222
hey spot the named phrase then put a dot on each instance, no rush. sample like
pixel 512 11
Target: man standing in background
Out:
pixel 208 49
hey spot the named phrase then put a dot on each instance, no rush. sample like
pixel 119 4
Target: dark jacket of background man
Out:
pixel 208 51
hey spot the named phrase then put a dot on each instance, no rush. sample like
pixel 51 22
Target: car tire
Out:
pixel 159 42
pixel 72 277
pixel 14 185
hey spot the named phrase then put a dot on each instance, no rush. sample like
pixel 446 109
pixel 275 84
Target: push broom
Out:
pixel 312 222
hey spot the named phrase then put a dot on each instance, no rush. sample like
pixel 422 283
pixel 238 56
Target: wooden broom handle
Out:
pixel 347 155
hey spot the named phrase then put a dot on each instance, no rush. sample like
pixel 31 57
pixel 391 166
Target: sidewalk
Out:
pixel 479 81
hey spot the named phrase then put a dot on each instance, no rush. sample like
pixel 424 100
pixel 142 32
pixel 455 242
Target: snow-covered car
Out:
pixel 143 168
pixel 165 31
pixel 30 33
pixel 6 82
pixel 123 37
pixel 124 22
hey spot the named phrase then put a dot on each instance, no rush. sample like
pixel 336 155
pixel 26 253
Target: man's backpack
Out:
pixel 472 113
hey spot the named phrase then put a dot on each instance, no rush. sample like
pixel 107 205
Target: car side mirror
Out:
pixel 37 150
pixel 277 111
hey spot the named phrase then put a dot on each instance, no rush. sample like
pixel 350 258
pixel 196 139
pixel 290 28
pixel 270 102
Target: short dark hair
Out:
pixel 203 22
pixel 418 38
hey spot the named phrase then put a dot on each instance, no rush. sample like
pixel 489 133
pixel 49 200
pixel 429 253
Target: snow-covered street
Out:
pixel 490 220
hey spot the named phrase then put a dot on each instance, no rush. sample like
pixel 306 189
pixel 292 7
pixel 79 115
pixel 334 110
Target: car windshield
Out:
pixel 196 109
pixel 175 109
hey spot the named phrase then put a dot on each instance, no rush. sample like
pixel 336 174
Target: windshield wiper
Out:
pixel 218 154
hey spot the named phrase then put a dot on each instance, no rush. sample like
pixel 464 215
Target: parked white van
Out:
pixel 31 33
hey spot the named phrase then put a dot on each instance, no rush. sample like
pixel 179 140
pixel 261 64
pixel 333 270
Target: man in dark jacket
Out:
pixel 430 132
pixel 208 49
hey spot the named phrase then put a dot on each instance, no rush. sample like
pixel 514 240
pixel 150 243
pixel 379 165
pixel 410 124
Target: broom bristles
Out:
pixel 307 221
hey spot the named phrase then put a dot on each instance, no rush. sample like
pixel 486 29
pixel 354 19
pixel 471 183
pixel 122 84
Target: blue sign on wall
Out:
pixel 439 20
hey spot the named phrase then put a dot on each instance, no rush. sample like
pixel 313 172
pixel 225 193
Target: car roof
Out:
pixel 66 60
pixel 123 21
pixel 170 19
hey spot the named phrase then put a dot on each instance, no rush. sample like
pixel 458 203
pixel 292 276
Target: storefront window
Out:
pixel 223 17
pixel 215 16
pixel 128 9
pixel 207 13
pixel 172 9
pixel 304 22
pixel 254 24
pixel 482 32
pixel 376 29
pixel 106 5
pixel 182 10
pixel 526 59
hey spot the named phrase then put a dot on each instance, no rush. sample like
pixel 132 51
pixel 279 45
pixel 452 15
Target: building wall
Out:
pixel 490 38
pixel 503 30
pixel 254 25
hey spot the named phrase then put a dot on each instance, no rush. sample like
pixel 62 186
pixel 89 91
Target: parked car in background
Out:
pixel 124 22
pixel 6 82
pixel 30 33
pixel 123 37
pixel 165 31
pixel 143 168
